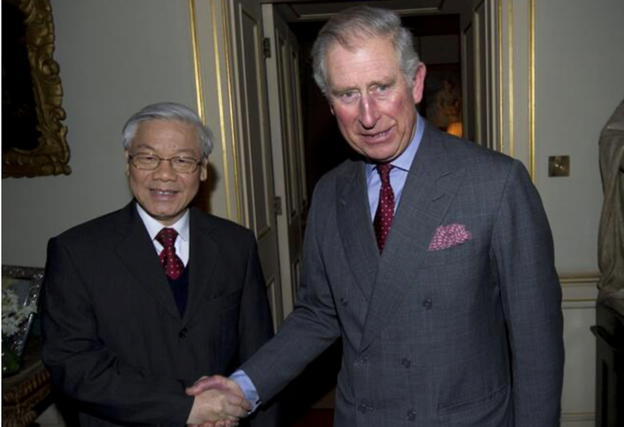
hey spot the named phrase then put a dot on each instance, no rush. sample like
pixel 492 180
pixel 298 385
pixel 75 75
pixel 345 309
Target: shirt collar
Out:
pixel 405 160
pixel 153 226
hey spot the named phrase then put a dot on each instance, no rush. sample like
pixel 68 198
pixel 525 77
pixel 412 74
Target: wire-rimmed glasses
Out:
pixel 150 162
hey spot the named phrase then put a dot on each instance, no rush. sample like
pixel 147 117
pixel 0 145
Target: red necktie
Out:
pixel 385 208
pixel 168 258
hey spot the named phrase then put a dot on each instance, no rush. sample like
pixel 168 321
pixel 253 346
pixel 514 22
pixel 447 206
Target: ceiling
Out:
pixel 322 10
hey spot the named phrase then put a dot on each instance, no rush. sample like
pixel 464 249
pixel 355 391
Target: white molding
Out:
pixel 580 291
pixel 578 419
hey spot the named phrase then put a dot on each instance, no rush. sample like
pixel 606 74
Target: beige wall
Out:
pixel 579 82
pixel 115 57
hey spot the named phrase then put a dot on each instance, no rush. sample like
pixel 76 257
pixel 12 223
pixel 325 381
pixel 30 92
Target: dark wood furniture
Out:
pixel 27 394
pixel 609 332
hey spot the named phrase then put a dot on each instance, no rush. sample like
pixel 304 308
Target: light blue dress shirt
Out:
pixel 398 176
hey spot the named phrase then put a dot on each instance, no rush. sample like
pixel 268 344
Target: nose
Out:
pixel 369 113
pixel 165 172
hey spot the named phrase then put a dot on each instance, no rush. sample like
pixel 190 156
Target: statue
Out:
pixel 611 231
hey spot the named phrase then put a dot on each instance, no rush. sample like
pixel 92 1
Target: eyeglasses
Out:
pixel 150 162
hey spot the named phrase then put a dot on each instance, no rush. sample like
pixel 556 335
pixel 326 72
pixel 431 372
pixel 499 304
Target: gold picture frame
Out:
pixel 34 139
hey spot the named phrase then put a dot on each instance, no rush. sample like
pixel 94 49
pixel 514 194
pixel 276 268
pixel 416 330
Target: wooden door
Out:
pixel 283 81
pixel 255 143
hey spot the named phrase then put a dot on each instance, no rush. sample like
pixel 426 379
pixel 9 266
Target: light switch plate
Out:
pixel 558 166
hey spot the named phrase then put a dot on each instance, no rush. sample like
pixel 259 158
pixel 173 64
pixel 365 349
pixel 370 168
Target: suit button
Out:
pixel 362 407
pixel 411 415
pixel 406 362
pixel 427 304
pixel 183 333
pixel 344 302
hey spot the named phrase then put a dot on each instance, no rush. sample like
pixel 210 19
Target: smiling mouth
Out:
pixel 373 137
pixel 163 192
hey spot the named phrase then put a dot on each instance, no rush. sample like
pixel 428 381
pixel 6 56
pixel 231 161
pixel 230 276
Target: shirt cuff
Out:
pixel 248 389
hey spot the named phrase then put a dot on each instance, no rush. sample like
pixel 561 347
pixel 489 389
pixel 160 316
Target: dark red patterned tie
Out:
pixel 385 208
pixel 168 258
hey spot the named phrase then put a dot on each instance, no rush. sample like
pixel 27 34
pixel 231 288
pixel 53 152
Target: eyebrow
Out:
pixel 338 92
pixel 145 147
pixel 150 148
pixel 387 81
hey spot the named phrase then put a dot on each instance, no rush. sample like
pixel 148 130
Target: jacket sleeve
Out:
pixel 81 366
pixel 523 254
pixel 312 326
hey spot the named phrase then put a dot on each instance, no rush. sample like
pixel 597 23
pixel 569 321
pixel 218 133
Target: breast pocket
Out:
pixel 220 310
pixel 452 255
pixel 228 304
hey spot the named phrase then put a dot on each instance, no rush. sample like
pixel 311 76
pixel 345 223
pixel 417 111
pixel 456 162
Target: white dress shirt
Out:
pixel 182 243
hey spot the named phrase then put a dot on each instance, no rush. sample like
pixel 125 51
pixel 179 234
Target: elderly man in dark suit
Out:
pixel 430 256
pixel 139 303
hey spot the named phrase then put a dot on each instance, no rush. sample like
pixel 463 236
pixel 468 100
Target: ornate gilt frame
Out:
pixel 51 156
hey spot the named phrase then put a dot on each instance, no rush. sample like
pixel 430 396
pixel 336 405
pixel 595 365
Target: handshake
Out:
pixel 219 402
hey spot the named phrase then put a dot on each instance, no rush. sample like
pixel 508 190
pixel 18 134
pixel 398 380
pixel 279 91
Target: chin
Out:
pixel 381 157
pixel 160 214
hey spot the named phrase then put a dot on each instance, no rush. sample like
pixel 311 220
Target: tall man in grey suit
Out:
pixel 140 302
pixel 430 256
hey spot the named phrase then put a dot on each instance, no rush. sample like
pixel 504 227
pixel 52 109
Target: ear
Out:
pixel 419 83
pixel 127 168
pixel 203 169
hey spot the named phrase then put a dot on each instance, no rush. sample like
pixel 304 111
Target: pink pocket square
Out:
pixel 450 235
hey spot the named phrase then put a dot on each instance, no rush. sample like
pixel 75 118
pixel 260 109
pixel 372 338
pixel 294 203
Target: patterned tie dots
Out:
pixel 385 208
pixel 168 257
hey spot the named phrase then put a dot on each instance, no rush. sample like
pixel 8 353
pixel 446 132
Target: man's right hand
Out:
pixel 215 382
pixel 217 407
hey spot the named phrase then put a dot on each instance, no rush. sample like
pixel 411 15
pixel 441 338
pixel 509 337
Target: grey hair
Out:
pixel 169 111
pixel 359 23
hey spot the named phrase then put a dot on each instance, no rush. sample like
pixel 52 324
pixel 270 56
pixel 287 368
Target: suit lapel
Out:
pixel 204 253
pixel 433 181
pixel 355 227
pixel 136 251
